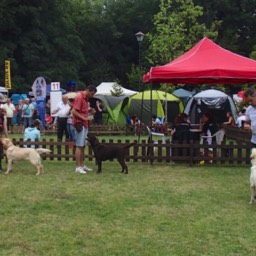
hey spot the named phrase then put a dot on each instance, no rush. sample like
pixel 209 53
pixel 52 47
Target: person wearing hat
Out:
pixel 32 133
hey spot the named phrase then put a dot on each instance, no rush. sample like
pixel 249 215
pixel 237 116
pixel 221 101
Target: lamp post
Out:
pixel 139 37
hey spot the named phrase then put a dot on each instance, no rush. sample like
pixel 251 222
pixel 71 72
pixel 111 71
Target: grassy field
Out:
pixel 154 210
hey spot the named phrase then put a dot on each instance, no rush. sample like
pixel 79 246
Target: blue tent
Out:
pixel 183 94
pixel 16 97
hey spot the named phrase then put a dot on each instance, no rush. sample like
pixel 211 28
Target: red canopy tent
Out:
pixel 206 62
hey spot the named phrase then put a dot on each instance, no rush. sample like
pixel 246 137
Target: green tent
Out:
pixel 116 108
pixel 163 105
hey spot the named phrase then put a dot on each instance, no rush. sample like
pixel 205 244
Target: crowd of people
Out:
pixel 72 117
pixel 21 114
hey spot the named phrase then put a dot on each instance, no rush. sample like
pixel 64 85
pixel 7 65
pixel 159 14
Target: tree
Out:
pixel 40 40
pixel 176 30
pixel 135 77
pixel 108 32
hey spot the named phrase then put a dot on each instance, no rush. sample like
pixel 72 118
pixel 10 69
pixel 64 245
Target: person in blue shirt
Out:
pixel 27 113
pixel 32 133
pixel 156 123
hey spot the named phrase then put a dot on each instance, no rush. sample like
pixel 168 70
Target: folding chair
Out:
pixel 151 134
pixel 219 135
pixel 150 138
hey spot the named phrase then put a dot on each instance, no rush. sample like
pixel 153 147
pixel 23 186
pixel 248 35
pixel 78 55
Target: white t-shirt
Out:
pixel 9 109
pixel 63 109
pixel 239 120
pixel 251 116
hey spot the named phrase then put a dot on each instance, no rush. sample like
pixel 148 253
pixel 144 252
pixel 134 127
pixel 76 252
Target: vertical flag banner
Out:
pixel 7 68
pixel 39 90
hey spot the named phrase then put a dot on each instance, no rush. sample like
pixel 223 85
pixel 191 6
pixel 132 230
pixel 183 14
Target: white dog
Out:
pixel 253 175
pixel 14 153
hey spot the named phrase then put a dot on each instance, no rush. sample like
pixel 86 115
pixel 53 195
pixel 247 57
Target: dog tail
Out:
pixel 43 150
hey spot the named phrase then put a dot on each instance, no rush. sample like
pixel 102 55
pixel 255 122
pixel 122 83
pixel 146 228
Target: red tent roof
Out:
pixel 206 62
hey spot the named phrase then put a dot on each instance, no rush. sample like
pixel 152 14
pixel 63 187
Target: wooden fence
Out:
pixel 238 134
pixel 102 129
pixel 231 153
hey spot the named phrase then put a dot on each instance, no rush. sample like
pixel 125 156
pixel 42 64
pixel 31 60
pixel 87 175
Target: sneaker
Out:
pixel 87 169
pixel 80 170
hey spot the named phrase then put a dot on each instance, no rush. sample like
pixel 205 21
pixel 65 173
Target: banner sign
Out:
pixel 55 86
pixel 41 110
pixel 7 66
pixel 39 88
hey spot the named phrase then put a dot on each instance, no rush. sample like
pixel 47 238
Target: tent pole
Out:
pixel 141 113
pixel 165 105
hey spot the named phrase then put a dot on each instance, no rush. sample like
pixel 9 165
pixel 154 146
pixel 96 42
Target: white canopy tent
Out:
pixel 105 88
pixel 3 89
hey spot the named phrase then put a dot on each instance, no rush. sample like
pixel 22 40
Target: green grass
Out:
pixel 154 210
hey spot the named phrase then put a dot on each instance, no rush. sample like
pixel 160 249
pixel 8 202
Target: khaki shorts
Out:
pixel 80 137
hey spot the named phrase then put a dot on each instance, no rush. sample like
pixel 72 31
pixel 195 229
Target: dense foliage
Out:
pixel 91 41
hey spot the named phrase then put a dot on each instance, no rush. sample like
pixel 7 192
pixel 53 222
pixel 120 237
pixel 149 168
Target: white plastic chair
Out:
pixel 219 135
pixel 151 134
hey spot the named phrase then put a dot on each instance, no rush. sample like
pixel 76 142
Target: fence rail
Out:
pixel 155 152
pixel 238 134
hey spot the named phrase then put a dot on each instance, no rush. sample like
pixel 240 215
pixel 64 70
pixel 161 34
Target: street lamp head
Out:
pixel 139 36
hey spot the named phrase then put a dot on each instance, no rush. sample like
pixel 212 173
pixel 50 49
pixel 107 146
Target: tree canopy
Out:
pixel 91 41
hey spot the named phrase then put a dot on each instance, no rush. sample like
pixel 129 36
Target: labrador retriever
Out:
pixel 103 152
pixel 253 176
pixel 1 156
pixel 14 153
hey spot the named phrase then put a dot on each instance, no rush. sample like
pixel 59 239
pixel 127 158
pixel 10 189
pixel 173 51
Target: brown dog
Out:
pixel 14 153
pixel 103 152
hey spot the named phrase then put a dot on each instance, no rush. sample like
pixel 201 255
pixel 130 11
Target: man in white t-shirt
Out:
pixel 9 109
pixel 62 111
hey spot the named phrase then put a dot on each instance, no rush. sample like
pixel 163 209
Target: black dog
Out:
pixel 103 152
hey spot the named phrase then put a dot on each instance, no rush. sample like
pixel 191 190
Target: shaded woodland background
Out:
pixel 93 41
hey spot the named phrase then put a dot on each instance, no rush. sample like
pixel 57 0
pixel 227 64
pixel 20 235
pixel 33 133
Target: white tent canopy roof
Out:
pixel 211 93
pixel 212 98
pixel 3 89
pixel 105 88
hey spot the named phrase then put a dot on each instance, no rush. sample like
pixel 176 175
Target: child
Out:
pixel 32 133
